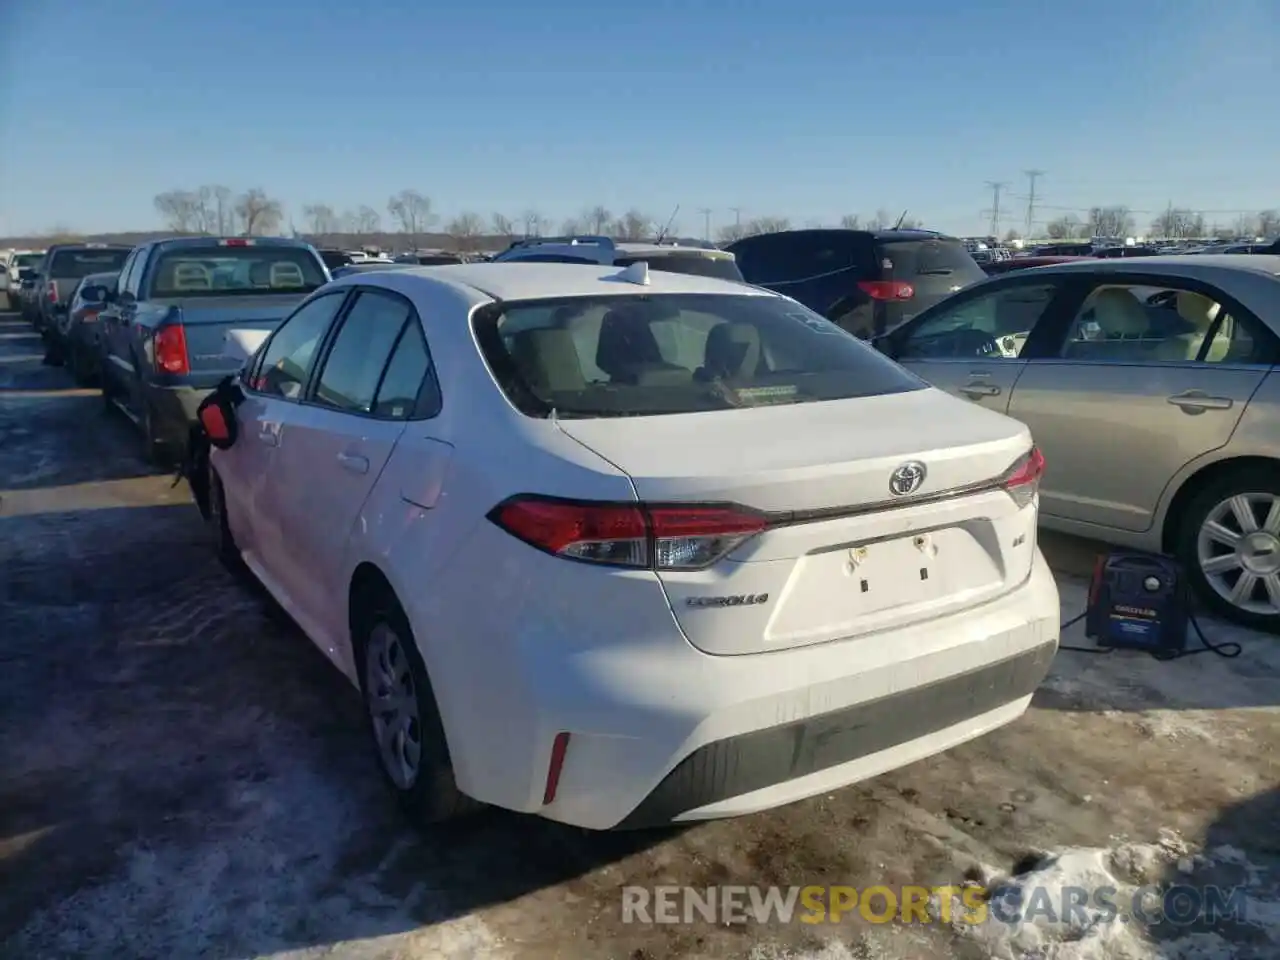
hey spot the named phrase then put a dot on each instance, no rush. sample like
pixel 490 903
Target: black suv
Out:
pixel 866 281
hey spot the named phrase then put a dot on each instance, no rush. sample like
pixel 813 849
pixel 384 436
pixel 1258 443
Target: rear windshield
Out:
pixel 697 264
pixel 636 355
pixel 909 259
pixel 78 264
pixel 335 258
pixel 217 271
pixel 26 260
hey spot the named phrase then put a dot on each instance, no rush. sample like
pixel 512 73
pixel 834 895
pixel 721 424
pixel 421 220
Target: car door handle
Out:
pixel 1194 401
pixel 354 462
pixel 976 390
pixel 269 437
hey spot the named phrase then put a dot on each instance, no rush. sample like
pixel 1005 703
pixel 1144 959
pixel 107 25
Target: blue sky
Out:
pixel 801 108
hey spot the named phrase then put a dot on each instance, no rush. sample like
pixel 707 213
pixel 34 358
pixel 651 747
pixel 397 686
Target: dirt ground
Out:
pixel 182 776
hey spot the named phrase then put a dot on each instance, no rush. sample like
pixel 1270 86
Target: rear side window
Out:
pixel 235 271
pixel 908 259
pixel 406 380
pixel 636 355
pixel 78 264
pixel 353 369
pixel 286 360
pixel 795 257
pixel 696 264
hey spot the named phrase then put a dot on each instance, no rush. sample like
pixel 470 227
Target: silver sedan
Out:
pixel 1150 386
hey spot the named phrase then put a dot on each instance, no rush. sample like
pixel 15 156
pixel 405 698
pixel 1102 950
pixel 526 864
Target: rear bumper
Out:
pixel 661 732
pixel 173 411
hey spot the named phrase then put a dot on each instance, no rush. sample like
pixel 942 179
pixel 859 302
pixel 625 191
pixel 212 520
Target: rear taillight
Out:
pixel 672 536
pixel 170 345
pixel 89 314
pixel 892 290
pixel 51 291
pixel 1023 479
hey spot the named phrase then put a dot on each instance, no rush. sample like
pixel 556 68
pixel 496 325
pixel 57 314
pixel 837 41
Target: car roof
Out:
pixel 220 241
pixel 1187 265
pixel 517 280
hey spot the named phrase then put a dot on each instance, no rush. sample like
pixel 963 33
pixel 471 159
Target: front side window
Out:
pixel 990 325
pixel 1135 323
pixel 353 370
pixel 638 355
pixel 209 270
pixel 287 357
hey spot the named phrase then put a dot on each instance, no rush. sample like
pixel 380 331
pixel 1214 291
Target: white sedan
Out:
pixel 620 548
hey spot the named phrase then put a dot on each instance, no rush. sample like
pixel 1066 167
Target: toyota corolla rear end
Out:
pixel 744 559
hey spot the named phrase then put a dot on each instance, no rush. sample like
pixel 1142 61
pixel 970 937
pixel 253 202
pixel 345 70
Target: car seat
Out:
pixel 1199 312
pixel 732 352
pixel 548 360
pixel 1122 323
pixel 628 352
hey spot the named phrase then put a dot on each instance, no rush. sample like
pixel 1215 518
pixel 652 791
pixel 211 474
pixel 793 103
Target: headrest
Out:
pixel 626 341
pixel 191 276
pixel 1197 309
pixel 733 350
pixel 260 273
pixel 286 274
pixel 1119 313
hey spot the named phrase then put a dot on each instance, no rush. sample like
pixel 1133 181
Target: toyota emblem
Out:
pixel 907 478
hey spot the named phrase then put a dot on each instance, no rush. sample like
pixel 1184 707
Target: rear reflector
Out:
pixel 558 750
pixel 87 316
pixel 891 290
pixel 170 346
pixel 635 535
pixel 214 423
pixel 51 291
pixel 1023 479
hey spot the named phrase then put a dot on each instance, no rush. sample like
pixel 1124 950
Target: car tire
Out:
pixel 155 451
pixel 1259 554
pixel 415 761
pixel 223 541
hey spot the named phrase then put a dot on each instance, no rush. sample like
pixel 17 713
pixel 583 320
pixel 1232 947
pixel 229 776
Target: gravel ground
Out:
pixel 182 776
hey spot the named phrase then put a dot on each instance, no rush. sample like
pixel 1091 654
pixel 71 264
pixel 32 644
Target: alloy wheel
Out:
pixel 1238 550
pixel 393 706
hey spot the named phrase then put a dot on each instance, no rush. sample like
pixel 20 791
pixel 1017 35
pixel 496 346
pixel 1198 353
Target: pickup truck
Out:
pixel 164 332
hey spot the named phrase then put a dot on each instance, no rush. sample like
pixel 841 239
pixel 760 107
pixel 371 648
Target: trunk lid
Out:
pixel 844 556
pixel 208 322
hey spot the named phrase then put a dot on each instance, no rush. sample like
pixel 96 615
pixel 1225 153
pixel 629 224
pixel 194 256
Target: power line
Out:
pixel 1032 177
pixel 995 189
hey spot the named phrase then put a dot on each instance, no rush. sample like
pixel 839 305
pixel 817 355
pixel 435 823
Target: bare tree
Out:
pixel 178 208
pixel 597 219
pixel 1113 221
pixel 1268 223
pixel 571 227
pixel 533 223
pixel 321 220
pixel 1178 222
pixel 502 225
pixel 850 221
pixel 412 213
pixel 731 232
pixel 464 229
pixel 1063 228
pixel 879 221
pixel 364 221
pixel 770 225
pixel 633 225
pixel 258 213
pixel 218 210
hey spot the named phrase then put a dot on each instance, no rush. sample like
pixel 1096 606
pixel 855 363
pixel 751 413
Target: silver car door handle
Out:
pixel 269 437
pixel 1200 401
pixel 980 390
pixel 353 462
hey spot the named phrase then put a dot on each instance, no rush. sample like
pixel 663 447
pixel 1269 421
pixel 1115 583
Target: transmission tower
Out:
pixel 1032 177
pixel 995 189
pixel 706 223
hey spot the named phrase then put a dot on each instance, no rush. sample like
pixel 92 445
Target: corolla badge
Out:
pixel 907 478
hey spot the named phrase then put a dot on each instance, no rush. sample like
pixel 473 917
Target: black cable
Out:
pixel 1228 650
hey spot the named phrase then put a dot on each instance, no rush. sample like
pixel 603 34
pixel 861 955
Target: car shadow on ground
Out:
pixel 1228 894
pixel 184 772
